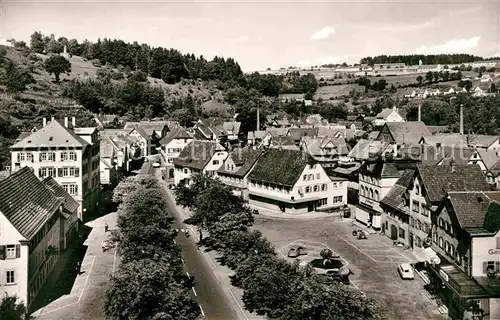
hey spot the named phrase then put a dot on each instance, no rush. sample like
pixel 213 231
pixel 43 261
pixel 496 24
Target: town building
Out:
pixel 172 145
pixel 291 182
pixel 108 162
pixel 236 169
pixel 103 120
pixel 217 130
pixel 326 151
pixel 423 196
pixel 35 227
pixel 387 115
pixel 198 156
pixel 465 236
pixel 376 178
pixel 396 207
pixel 399 134
pixel 68 154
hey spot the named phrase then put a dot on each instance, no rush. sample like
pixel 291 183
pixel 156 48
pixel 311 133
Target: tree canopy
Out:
pixel 271 286
pixel 57 65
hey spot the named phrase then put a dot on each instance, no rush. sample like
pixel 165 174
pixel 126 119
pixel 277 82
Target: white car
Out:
pixel 406 271
pixel 156 165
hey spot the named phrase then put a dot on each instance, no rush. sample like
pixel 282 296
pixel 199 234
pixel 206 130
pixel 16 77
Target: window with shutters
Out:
pixel 10 279
pixel 323 187
pixel 315 188
pixel 72 156
pixel 51 156
pixel 64 156
pixel 43 156
pixel 441 242
pixel 401 233
pixel 21 157
pixel 73 189
pixel 29 157
pixel 11 251
pixel 318 176
pixel 308 189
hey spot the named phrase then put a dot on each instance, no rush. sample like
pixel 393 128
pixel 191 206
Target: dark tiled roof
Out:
pixel 197 154
pixel 70 204
pixel 477 209
pixel 26 202
pixel 441 179
pixel 408 132
pixel 176 133
pixel 280 167
pixel 282 141
pixel 381 169
pixel 297 133
pixel 432 155
pixel 365 149
pixel 394 198
pixel 245 159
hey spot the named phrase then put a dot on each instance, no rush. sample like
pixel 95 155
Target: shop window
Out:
pixel 491 265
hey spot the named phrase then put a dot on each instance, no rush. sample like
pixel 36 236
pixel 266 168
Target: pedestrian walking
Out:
pixel 106 227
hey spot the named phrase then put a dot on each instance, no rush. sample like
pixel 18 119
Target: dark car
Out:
pixel 296 251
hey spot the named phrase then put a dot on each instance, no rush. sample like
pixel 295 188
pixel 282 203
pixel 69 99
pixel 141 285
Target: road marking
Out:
pixel 355 247
pixel 201 309
pixel 114 263
pixel 86 280
pixel 57 309
pixel 194 292
pixel 238 304
pixel 395 250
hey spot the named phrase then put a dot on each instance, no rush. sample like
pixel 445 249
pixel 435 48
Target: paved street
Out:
pixel 373 262
pixel 85 301
pixel 208 291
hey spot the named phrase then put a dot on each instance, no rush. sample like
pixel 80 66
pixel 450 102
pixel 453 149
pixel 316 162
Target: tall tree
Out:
pixel 36 42
pixel 10 309
pixel 57 65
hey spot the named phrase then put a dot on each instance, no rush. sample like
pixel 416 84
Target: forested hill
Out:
pixel 413 59
pixel 170 65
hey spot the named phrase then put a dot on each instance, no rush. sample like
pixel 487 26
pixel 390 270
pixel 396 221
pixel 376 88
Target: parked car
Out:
pixel 296 251
pixel 406 271
pixel 156 165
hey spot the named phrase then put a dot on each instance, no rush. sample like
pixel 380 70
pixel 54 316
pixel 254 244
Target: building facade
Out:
pixel 69 155
pixel 284 180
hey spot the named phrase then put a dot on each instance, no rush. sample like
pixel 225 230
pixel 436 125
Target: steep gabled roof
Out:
pixel 279 167
pixel 438 180
pixel 394 198
pixel 366 149
pixel 385 113
pixel 69 204
pixel 380 169
pixel 197 154
pixel 489 157
pixel 177 133
pixel 408 132
pixel 107 148
pixel 244 158
pixel 54 134
pixel 26 202
pixel 477 210
pixel 318 147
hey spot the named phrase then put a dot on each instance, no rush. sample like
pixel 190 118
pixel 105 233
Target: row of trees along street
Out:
pixel 272 286
pixel 150 282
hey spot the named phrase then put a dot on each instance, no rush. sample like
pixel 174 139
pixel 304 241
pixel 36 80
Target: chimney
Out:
pixel 461 119
pixel 66 122
pixel 73 122
pixel 419 112
pixel 44 121
pixel 452 165
pixel 258 119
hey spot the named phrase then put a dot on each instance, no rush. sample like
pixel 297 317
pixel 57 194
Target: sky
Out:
pixel 262 34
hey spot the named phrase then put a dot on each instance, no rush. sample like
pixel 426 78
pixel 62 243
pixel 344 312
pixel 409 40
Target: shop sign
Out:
pixel 444 275
pixel 494 251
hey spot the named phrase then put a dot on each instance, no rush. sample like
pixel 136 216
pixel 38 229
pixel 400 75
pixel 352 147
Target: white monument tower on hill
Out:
pixel 65 52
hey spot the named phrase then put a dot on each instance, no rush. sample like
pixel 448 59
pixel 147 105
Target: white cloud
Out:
pixel 241 39
pixel 323 33
pixel 304 63
pixel 452 46
pixel 153 29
